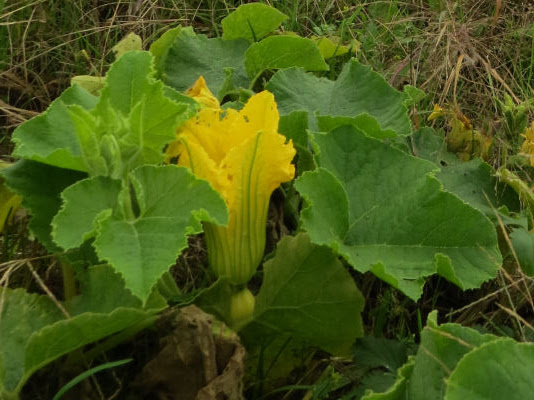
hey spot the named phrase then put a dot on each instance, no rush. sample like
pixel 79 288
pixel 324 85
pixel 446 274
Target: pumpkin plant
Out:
pixel 98 176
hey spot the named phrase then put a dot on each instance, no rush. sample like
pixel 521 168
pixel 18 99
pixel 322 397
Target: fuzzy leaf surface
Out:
pixel 385 212
pixel 220 62
pixel 442 347
pixel 82 203
pixel 307 293
pixel 425 375
pixel 135 118
pixel 51 137
pixel 523 242
pixel 358 90
pixel 473 182
pixel 171 203
pixel 252 22
pixel 34 332
pixel 277 52
pixel 498 370
pixel 40 186
pixel 398 390
pixel 21 315
pixel 102 291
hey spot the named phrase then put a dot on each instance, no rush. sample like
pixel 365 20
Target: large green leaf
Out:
pixel 135 118
pixel 102 291
pixel 251 21
pixel 50 137
pixel 473 182
pixel 62 337
pixel 385 212
pixel 398 390
pixel 358 90
pixel 160 47
pixel 307 293
pixel 498 370
pixel 40 186
pixel 34 332
pixel 523 243
pixel 277 52
pixel 220 62
pixel 128 126
pixel 425 376
pixel 171 203
pixel 428 144
pixel 442 347
pixel 82 203
pixel 21 315
pixel 364 122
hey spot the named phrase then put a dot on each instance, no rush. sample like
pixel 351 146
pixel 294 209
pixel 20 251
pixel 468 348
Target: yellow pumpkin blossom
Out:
pixel 528 145
pixel 200 92
pixel 437 112
pixel 245 159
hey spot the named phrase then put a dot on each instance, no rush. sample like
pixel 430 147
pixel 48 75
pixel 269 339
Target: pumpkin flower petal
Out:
pixel 200 92
pixel 244 157
pixel 437 112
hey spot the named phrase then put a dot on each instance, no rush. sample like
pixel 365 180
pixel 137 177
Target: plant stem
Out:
pixel 69 281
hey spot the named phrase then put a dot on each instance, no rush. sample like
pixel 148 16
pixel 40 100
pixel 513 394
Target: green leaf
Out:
pixel 40 186
pixel 21 315
pixel 93 84
pixel 358 90
pixel 498 370
pixel 216 299
pixel 284 51
pixel 398 390
pixel 50 137
pixel 160 48
pixel 34 332
pixel 308 293
pixel 294 126
pixel 441 348
pixel 330 46
pixel 385 213
pixel 523 243
pixel 251 21
pixel 363 122
pixel 425 376
pixel 372 352
pixel 130 42
pixel 414 95
pixel 171 203
pixel 190 56
pixel 473 182
pixel 430 145
pixel 102 291
pixel 82 203
pixel 64 336
pixel 135 118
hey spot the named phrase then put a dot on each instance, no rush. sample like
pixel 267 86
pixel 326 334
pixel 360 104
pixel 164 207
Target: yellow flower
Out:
pixel 200 92
pixel 528 145
pixel 244 158
pixel 437 112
